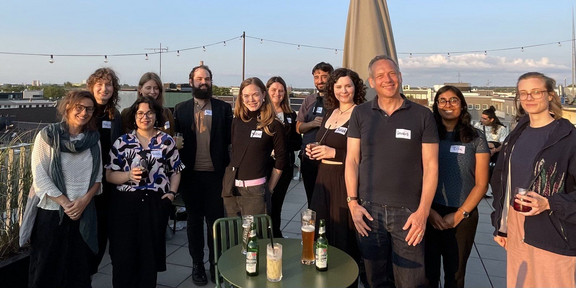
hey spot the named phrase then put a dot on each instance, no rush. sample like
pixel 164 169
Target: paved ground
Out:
pixel 486 266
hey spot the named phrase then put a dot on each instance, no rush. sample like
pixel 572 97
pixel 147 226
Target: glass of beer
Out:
pixel 308 228
pixel 179 139
pixel 274 262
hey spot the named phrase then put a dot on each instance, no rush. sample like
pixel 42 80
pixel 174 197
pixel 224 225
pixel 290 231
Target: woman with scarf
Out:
pixel 67 173
pixel 145 166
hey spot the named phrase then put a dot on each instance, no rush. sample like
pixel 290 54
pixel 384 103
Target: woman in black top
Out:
pixel 277 91
pixel 345 90
pixel 255 133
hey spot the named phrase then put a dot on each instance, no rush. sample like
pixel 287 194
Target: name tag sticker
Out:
pixel 341 130
pixel 403 134
pixel 319 110
pixel 289 120
pixel 256 134
pixel 460 149
pixel 156 153
pixel 167 125
pixel 106 124
pixel 208 112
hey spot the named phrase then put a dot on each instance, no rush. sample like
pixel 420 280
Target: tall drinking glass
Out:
pixel 308 227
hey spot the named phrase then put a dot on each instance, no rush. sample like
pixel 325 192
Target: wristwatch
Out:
pixel 348 199
pixel 464 213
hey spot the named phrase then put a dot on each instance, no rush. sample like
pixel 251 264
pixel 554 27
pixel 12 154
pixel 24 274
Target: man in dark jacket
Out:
pixel 205 123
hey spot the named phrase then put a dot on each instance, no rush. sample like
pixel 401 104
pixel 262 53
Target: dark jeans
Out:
pixel 384 250
pixel 102 203
pixel 453 246
pixel 309 170
pixel 201 192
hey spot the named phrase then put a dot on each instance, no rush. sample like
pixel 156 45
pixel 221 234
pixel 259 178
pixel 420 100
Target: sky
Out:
pixel 424 33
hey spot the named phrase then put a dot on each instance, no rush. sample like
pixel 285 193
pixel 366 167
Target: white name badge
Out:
pixel 460 149
pixel 256 134
pixel 403 134
pixel 341 130
pixel 167 125
pixel 208 112
pixel 157 154
pixel 289 120
pixel 106 124
pixel 319 110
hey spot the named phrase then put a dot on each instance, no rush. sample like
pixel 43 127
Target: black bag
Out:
pixel 228 182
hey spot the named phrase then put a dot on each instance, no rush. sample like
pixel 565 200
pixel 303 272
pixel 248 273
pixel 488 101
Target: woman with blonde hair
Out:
pixel 539 156
pixel 255 133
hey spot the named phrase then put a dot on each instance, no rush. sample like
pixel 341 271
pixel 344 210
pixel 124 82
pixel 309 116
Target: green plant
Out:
pixel 15 182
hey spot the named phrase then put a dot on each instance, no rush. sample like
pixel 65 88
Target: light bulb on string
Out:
pixel 336 51
pixel 298 47
pixel 410 55
pixel 261 41
pixel 224 43
pixel 522 49
pixel 204 48
pixel 105 58
pixel 51 59
pixel 485 53
pixel 559 44
pixel 146 56
pixel 177 52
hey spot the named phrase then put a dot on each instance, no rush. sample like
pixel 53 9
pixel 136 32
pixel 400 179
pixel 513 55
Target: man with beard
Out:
pixel 205 123
pixel 307 122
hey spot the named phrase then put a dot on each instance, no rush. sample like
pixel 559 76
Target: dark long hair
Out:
pixel 464 131
pixel 359 88
pixel 154 106
pixel 491 113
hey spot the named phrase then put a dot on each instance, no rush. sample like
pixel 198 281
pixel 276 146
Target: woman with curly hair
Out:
pixel 539 155
pixel 344 91
pixel 255 133
pixel 462 182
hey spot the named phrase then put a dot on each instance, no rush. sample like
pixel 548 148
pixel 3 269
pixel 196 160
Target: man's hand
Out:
pixel 417 225
pixel 358 213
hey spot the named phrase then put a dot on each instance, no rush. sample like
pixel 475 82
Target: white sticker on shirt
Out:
pixel 256 134
pixel 208 112
pixel 289 120
pixel 167 125
pixel 157 154
pixel 106 124
pixel 319 110
pixel 403 134
pixel 341 130
pixel 460 149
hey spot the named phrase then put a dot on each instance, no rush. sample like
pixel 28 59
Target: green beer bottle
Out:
pixel 322 248
pixel 252 252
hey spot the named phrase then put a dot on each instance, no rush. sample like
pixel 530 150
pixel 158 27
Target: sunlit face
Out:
pixel 385 79
pixel 452 108
pixel 530 105
pixel 252 97
pixel 145 117
pixel 277 93
pixel 150 88
pixel 201 79
pixel 80 113
pixel 103 90
pixel 344 90
pixel 320 79
pixel 486 120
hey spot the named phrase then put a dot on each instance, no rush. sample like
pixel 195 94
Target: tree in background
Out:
pixel 54 92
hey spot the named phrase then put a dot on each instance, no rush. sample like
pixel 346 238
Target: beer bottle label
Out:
pixel 321 257
pixel 251 262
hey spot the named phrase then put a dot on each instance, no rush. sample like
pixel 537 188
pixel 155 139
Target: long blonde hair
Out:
pixel 266 111
pixel 554 105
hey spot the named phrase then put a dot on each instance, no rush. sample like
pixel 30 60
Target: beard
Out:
pixel 199 93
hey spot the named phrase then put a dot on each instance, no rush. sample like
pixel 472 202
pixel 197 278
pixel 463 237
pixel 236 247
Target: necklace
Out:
pixel 341 113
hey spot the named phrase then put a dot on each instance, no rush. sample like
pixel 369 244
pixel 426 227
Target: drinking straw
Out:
pixel 324 135
pixel 271 238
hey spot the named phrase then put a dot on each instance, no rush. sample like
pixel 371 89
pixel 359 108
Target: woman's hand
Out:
pixel 321 152
pixel 135 174
pixel 532 199
pixel 437 221
pixel 169 196
pixel 501 241
pixel 75 209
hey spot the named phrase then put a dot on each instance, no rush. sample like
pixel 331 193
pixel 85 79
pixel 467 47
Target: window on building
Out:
pixel 470 106
pixel 484 106
pixel 477 106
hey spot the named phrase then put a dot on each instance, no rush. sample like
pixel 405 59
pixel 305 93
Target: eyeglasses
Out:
pixel 536 94
pixel 148 114
pixel 79 108
pixel 453 102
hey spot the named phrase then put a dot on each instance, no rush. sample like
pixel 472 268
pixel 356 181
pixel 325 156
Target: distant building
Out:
pixel 33 94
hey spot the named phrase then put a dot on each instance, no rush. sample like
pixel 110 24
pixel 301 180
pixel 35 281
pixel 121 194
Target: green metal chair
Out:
pixel 227 233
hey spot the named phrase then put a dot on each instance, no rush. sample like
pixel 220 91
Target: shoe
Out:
pixel 199 274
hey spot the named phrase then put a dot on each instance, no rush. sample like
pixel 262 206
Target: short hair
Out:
pixel 359 88
pixel 154 77
pixel 72 98
pixel 106 74
pixel 326 67
pixel 378 58
pixel 157 108
pixel 191 76
pixel 285 104
pixel 555 106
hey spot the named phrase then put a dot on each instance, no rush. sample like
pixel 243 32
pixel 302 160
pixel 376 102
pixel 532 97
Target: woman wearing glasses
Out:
pixel 539 155
pixel 463 157
pixel 67 173
pixel 145 166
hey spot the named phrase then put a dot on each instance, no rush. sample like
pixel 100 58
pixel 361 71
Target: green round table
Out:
pixel 342 269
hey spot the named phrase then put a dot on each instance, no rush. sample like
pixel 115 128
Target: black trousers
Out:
pixel 59 257
pixel 278 199
pixel 138 237
pixel 201 192
pixel 451 246
pixel 102 203
pixel 309 170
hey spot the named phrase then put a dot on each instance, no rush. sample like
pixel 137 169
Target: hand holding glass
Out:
pixel 179 139
pixel 519 206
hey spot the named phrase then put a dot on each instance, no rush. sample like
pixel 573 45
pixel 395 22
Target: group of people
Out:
pixel 398 184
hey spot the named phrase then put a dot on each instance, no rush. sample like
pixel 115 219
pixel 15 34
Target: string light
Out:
pixel 177 52
pixel 146 56
pixel 522 49
pixel 224 43
pixel 485 53
pixel 204 48
pixel 298 46
pixel 336 51
pixel 261 41
pixel 51 59
pixel 410 55
pixel 105 58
